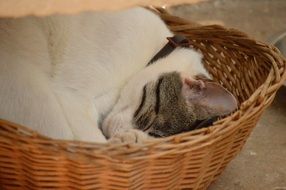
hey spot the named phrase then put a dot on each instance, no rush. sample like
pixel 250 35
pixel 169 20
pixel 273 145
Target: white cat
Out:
pixel 66 76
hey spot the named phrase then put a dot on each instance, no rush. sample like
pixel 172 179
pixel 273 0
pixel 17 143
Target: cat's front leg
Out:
pixel 118 128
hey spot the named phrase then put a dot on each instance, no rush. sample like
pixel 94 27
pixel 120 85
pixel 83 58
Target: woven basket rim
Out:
pixel 174 143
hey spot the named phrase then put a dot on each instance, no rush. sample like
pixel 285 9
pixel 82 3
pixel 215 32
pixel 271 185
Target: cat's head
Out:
pixel 175 103
pixel 171 95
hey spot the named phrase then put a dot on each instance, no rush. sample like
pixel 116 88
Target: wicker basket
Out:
pixel 251 70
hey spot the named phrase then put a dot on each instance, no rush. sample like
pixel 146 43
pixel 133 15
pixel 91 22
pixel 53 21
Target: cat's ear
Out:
pixel 209 98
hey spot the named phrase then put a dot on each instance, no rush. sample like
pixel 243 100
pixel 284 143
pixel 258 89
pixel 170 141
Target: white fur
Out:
pixel 61 75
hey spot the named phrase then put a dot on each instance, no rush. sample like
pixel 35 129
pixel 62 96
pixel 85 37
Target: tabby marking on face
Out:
pixel 174 104
pixel 163 110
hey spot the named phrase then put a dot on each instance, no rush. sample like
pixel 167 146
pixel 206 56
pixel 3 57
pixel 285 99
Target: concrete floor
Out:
pixel 262 163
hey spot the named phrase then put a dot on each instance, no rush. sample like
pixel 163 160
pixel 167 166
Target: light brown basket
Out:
pixel 253 71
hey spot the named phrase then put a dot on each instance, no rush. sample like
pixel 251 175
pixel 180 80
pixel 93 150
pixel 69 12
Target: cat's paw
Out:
pixel 129 136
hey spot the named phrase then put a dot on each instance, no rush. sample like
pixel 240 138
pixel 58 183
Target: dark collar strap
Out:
pixel 173 43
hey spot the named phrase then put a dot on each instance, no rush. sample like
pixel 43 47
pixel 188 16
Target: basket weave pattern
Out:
pixel 251 70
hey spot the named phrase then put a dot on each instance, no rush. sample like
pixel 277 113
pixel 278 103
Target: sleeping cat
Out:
pixel 69 77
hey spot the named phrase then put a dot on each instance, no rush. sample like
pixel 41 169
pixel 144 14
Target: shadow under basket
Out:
pixel 251 70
